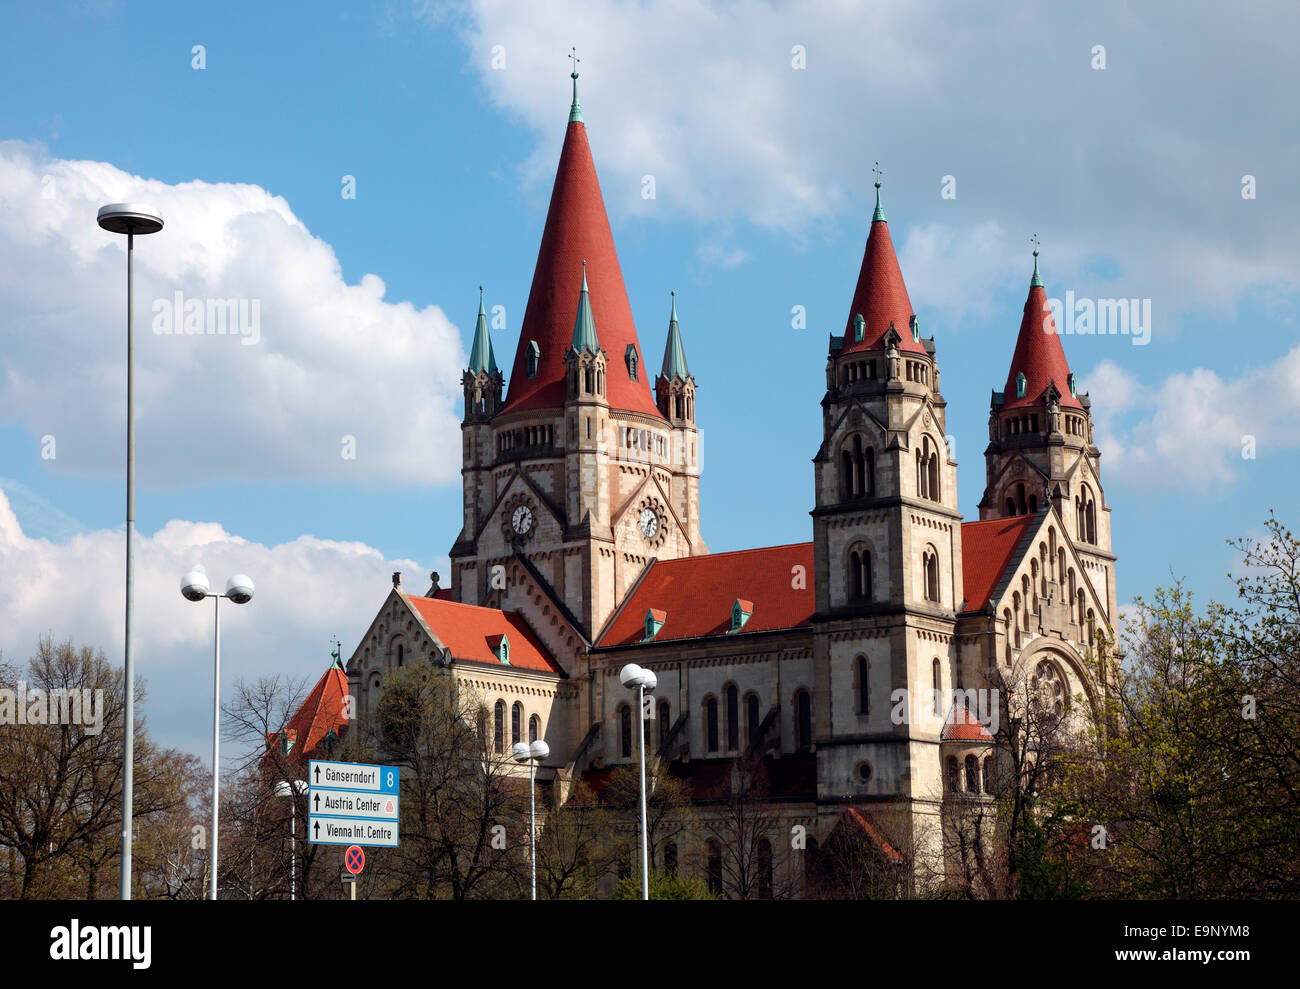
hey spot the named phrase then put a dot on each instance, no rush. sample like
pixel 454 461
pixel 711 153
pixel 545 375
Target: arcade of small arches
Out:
pixel 517 720
pixel 722 726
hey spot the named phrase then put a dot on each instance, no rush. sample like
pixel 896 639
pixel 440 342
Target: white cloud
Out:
pixel 330 359
pixel 1194 427
pixel 307 590
pixel 1140 163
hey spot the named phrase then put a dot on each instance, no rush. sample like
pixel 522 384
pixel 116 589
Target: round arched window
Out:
pixel 1049 685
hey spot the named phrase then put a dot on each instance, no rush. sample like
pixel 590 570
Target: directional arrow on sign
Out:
pixel 316 829
pixel 318 801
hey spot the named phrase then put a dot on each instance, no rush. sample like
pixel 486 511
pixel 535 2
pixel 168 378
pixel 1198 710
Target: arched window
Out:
pixel 936 683
pixel 1006 620
pixel 972 775
pixel 713 866
pixel 803 718
pixel 534 728
pixel 988 774
pixel 764 869
pixel 499 726
pixel 1021 506
pixel 401 653
pixel 664 723
pixel 864 685
pixel 930 562
pixel 516 723
pixel 859 574
pixel 753 716
pixel 1085 510
pixel 670 858
pixel 711 724
pixel 857 469
pixel 1092 625
pixel 1011 507
pixel 625 731
pixel 733 718
pixel 1048 684
pixel 954 777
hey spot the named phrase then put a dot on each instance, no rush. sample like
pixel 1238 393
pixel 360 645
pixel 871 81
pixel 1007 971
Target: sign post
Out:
pixel 354 860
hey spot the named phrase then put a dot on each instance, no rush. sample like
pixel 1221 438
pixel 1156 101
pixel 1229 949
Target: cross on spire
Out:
pixel 879 214
pixel 1037 279
pixel 575 111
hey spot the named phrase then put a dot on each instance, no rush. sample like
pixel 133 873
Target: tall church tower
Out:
pixel 1041 446
pixel 887 543
pixel 580 471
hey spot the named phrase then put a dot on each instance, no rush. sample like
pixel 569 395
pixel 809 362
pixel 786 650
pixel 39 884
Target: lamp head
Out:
pixel 239 588
pixel 538 749
pixel 630 675
pixel 519 751
pixel 195 586
pixel 129 218
pixel 648 679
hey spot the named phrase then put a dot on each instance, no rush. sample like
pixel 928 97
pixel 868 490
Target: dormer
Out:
pixel 741 610
pixel 500 646
pixel 654 621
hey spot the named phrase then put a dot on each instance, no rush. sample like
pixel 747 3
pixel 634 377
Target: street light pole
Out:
pixel 285 788
pixel 632 675
pixel 531 753
pixel 239 589
pixel 125 218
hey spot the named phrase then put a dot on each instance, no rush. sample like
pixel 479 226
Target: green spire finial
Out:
pixel 1036 281
pixel 481 357
pixel 674 353
pixel 584 324
pixel 575 111
pixel 879 214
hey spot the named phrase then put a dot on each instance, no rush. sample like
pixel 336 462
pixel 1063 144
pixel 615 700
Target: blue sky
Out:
pixel 1131 174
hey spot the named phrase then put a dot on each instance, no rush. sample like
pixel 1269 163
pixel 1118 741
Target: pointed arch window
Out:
pixel 863 670
pixel 754 718
pixel 534 728
pixel 930 566
pixel 954 775
pixel 532 358
pixel 972 775
pixel 936 683
pixel 803 718
pixel 1021 383
pixel 988 774
pixel 711 724
pixel 733 718
pixel 499 727
pixel 516 723
pixel 625 731
pixel 860 575
pixel 632 360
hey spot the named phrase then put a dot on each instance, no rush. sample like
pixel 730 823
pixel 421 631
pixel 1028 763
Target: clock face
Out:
pixel 522 520
pixel 649 523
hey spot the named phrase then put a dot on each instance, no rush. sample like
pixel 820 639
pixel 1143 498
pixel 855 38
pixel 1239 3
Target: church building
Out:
pixel 581 551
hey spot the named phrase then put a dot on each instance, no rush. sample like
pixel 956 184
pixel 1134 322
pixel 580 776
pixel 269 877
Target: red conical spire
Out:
pixel 1039 355
pixel 880 297
pixel 577 229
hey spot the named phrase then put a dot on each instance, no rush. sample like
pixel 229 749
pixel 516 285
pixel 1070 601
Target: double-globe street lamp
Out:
pixel 633 676
pixel 239 589
pixel 286 789
pixel 129 219
pixel 531 753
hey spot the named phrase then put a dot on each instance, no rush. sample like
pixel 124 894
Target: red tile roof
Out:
pixel 880 296
pixel 468 631
pixel 577 229
pixel 322 711
pixel 698 592
pixel 1039 355
pixel 986 549
pixel 963 726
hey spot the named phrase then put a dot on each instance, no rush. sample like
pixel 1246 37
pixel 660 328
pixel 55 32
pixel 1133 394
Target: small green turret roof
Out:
pixel 674 352
pixel 584 324
pixel 480 355
pixel 1036 281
